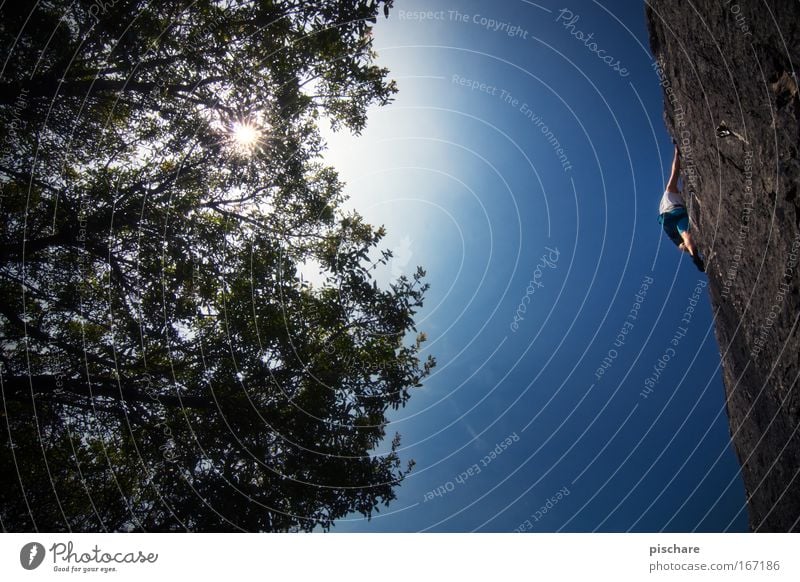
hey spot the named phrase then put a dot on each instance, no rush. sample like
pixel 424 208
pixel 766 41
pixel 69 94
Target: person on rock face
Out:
pixel 674 218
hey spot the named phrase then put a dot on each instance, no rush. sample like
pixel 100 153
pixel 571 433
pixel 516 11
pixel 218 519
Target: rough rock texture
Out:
pixel 729 72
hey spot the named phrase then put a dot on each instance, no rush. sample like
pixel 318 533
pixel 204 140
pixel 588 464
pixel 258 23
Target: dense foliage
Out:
pixel 164 366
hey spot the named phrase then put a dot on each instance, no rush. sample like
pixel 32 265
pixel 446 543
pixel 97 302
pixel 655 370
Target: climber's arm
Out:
pixel 672 185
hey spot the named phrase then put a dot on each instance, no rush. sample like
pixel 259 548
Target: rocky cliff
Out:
pixel 729 73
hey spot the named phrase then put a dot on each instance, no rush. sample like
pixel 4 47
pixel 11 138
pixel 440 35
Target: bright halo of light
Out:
pixel 245 136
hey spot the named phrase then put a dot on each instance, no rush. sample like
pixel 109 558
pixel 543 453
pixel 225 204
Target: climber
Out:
pixel 673 215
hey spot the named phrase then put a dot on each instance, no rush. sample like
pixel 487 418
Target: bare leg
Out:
pixel 688 243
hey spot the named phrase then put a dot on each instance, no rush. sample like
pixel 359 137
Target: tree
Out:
pixel 164 366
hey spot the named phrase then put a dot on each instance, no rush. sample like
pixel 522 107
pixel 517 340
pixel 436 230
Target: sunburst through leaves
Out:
pixel 245 137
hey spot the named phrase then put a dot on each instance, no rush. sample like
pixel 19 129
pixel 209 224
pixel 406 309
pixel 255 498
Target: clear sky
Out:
pixel 522 164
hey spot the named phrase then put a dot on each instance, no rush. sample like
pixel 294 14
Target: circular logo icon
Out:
pixel 31 555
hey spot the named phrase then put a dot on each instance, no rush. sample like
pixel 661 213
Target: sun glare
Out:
pixel 245 136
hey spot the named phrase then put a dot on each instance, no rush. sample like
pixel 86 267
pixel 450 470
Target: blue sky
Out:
pixel 524 172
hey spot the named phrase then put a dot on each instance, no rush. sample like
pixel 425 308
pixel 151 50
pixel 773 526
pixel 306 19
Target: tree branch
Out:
pixel 21 387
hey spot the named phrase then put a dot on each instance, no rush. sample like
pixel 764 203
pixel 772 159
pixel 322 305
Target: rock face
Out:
pixel 730 76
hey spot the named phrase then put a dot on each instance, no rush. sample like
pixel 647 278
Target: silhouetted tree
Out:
pixel 164 366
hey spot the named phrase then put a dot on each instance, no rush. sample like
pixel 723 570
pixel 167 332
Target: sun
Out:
pixel 245 137
pixel 245 134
